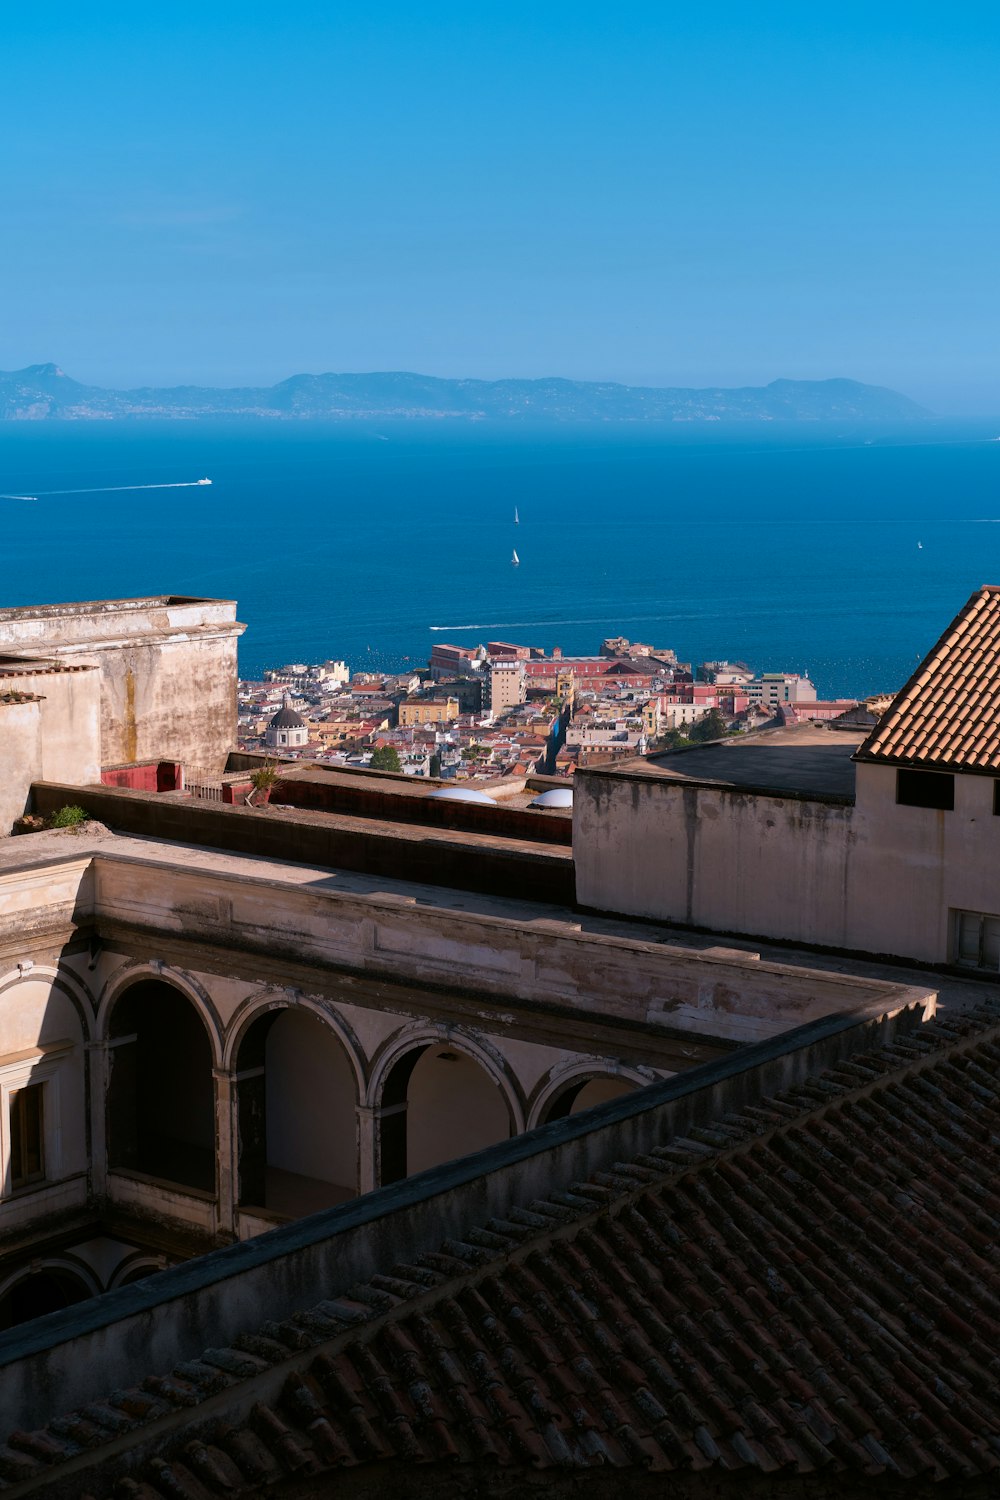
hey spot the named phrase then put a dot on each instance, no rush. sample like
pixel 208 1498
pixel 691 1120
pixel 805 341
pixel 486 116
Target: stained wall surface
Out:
pixel 873 877
pixel 168 671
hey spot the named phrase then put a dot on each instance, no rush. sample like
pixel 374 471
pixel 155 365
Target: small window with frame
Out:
pixel 27 1135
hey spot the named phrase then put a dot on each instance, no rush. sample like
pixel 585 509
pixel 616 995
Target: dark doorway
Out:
pixel 161 1095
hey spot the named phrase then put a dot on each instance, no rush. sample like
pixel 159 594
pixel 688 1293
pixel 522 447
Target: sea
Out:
pixel 842 552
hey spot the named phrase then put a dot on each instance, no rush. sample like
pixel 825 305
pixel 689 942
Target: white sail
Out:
pixel 515 560
pixel 517 520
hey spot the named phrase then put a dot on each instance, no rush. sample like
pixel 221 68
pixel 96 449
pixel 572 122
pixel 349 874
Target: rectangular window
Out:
pixel 996 799
pixel 925 789
pixel 27 1155
pixel 977 940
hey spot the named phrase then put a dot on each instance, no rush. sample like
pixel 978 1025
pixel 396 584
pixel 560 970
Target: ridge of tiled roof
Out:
pixel 947 717
pixel 807 1286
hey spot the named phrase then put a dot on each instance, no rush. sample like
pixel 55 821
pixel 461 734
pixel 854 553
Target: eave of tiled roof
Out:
pixel 947 717
pixel 807 1285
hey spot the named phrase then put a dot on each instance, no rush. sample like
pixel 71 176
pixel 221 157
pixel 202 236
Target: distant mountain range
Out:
pixel 43 392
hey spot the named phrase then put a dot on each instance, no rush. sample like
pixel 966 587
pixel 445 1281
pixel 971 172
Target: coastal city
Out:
pixel 500 710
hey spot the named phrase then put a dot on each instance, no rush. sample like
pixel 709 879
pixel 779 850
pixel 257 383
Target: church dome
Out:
pixel 286 717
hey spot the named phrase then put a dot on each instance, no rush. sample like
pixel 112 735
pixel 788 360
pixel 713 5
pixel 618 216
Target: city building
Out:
pixel 508 685
pixel 774 688
pixel 287 730
pixel 428 709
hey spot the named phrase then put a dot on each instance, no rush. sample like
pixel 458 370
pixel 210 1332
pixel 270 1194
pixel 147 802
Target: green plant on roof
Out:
pixel 68 817
pixel 265 776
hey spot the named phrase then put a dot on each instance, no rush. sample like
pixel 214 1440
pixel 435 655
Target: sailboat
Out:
pixel 515 561
pixel 517 519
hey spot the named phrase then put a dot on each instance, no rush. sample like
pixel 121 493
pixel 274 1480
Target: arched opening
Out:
pixel 584 1093
pixel 161 1094
pixel 438 1104
pixel 40 1292
pixel 298 1132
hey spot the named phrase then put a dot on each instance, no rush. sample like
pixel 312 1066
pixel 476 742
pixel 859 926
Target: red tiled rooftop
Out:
pixel 948 714
pixel 808 1286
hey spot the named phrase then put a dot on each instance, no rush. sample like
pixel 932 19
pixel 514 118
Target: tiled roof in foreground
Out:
pixel 948 714
pixel 808 1288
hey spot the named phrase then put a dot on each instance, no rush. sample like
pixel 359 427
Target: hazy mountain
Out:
pixel 42 392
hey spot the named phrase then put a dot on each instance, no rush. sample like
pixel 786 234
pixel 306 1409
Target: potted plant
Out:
pixel 263 780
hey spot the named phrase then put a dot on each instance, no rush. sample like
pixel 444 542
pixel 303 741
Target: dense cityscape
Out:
pixel 503 710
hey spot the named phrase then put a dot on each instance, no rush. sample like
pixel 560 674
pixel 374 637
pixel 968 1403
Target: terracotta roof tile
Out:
pixel 822 1296
pixel 948 714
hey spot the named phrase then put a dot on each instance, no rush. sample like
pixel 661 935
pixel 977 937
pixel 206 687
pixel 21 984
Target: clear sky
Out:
pixel 673 194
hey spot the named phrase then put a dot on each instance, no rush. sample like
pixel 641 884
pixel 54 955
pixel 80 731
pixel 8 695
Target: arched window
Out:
pixel 297 1098
pixel 437 1104
pixel 161 1094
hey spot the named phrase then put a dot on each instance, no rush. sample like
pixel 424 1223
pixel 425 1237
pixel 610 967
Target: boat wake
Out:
pixel 112 489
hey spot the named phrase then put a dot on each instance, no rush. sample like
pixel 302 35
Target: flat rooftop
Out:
pixel 516 792
pixel 803 760
pixel 103 606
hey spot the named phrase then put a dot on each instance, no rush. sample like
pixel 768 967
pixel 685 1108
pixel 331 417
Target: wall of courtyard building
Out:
pixel 215 1108
pixel 168 673
pixel 874 877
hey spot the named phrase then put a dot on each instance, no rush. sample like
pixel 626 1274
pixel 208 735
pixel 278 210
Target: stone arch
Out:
pixel 421 1110
pixel 163 1046
pixel 299 1075
pixel 65 982
pixel 46 1285
pixel 130 973
pixel 135 1267
pixel 46 1029
pixel 566 1090
pixel 267 999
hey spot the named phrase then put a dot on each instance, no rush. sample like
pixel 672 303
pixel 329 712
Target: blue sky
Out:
pixel 670 194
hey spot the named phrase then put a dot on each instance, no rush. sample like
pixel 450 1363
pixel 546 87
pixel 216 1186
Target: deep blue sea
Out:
pixel 796 548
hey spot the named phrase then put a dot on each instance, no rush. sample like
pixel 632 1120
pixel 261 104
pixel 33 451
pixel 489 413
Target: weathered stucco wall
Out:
pixel 168 671
pixel 70 716
pixel 874 877
pixel 20 757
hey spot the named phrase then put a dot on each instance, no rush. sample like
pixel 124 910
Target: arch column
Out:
pixel 225 1136
pixel 98 1075
pixel 369 1119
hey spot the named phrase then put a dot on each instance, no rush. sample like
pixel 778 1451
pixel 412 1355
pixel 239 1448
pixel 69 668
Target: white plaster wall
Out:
pixel 726 860
pixel 168 672
pixel 876 877
pixel 452 1108
pixel 70 712
pixel 20 758
pixel 311 1103
pixel 33 1014
pixel 915 865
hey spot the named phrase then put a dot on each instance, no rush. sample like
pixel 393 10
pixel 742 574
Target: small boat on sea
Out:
pixel 517 520
pixel 515 561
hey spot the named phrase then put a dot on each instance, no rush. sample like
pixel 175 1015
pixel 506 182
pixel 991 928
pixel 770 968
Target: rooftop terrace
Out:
pixel 801 761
